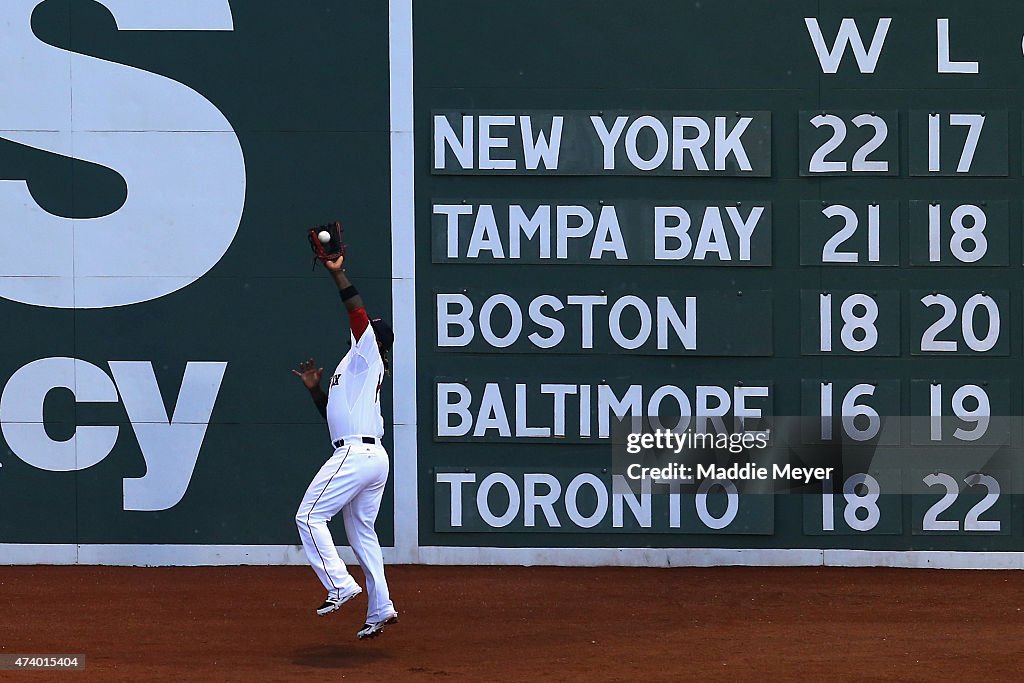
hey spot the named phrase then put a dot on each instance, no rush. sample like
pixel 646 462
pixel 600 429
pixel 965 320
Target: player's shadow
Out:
pixel 337 656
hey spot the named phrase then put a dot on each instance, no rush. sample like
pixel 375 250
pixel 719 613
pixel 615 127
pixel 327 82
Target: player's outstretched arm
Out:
pixel 310 375
pixel 353 301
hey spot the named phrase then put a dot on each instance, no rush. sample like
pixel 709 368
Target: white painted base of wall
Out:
pixel 227 555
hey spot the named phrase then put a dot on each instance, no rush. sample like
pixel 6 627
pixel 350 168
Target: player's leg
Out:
pixel 360 515
pixel 332 487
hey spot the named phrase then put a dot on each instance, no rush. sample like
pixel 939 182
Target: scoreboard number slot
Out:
pixel 929 341
pixel 860 162
pixel 849 233
pixel 940 515
pixel 974 123
pixel 962 412
pixel 975 315
pixel 849 143
pixel 831 254
pixel 959 143
pixel 861 492
pixel 851 323
pixel 962 232
pixel 859 317
pixel 851 411
pixel 980 415
pixel 945 233
pixel 869 503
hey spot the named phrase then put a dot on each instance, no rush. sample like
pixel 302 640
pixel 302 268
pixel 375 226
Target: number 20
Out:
pixel 930 341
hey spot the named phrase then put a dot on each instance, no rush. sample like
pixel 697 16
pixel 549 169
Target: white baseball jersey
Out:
pixel 353 398
pixel 351 481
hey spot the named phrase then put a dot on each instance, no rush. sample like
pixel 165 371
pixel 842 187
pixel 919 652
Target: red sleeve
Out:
pixel 359 321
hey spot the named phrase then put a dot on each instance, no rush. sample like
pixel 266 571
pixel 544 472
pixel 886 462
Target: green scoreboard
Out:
pixel 720 210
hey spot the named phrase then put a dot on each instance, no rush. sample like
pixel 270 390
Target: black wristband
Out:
pixel 349 292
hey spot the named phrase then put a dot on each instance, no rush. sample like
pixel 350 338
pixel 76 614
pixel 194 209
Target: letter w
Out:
pixel 848 34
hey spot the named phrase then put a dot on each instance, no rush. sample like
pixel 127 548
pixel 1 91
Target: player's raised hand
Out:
pixel 335 265
pixel 309 373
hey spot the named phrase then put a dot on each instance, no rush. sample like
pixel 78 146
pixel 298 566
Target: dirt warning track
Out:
pixel 522 624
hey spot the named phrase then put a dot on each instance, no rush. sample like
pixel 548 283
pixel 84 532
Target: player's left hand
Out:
pixel 309 373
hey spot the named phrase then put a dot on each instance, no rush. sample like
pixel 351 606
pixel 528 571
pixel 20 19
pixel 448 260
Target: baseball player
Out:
pixel 352 480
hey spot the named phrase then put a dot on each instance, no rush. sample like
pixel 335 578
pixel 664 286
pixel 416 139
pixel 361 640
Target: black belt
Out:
pixel 365 439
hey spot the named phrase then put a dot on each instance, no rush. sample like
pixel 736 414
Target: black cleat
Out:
pixel 332 603
pixel 373 629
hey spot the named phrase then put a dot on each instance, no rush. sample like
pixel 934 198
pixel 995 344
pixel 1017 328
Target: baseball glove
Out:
pixel 329 250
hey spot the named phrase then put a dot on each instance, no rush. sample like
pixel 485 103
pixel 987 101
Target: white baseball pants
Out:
pixel 352 480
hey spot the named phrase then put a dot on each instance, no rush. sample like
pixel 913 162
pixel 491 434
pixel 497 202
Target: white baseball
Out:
pixel 324 236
